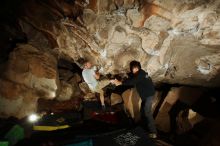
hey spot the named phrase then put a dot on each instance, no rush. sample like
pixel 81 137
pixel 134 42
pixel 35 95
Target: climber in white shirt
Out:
pixel 91 76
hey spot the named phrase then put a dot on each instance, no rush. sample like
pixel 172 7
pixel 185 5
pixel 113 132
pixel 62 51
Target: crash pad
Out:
pixel 132 137
pixel 57 121
pixel 3 143
pixel 15 134
pixel 83 143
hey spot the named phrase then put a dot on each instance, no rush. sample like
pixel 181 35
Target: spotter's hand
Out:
pixel 116 82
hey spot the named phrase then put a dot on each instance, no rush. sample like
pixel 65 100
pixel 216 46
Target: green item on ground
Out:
pixel 3 143
pixel 15 134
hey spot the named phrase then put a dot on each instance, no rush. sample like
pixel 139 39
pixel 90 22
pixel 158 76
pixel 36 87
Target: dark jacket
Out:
pixel 142 82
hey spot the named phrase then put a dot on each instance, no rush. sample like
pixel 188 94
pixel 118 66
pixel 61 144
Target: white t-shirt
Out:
pixel 89 77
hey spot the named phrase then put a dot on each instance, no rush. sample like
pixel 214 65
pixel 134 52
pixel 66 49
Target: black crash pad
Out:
pixel 133 137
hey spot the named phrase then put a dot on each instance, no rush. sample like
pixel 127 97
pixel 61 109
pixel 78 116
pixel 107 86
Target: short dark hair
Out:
pixel 134 64
pixel 82 61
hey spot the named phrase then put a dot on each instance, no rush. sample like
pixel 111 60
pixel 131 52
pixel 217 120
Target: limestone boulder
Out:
pixel 76 78
pixel 135 17
pixel 84 87
pixel 35 69
pixel 66 92
pixel 157 23
pixel 16 100
pixel 65 74
pixel 115 99
pixel 74 82
pixel 132 103
pixel 177 42
pixel 28 75
pixel 187 95
pixel 186 122
pixel 162 35
pixel 87 93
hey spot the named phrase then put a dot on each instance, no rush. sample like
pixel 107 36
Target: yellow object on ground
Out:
pixel 49 128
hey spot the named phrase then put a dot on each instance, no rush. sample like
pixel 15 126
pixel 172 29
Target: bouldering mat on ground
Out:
pixel 83 143
pixel 52 122
pixel 133 137
pixel 15 134
pixel 109 117
pixel 3 143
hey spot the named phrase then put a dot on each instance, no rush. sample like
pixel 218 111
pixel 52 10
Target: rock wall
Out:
pixel 187 96
pixel 176 42
pixel 168 37
pixel 28 75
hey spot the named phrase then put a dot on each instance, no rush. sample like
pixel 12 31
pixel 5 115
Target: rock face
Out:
pixel 28 75
pixel 66 92
pixel 176 42
pixel 132 103
pixel 169 38
pixel 186 95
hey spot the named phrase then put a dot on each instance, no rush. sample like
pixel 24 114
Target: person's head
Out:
pixel 85 63
pixel 135 66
